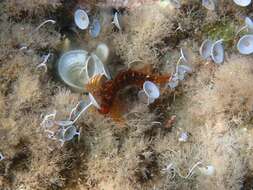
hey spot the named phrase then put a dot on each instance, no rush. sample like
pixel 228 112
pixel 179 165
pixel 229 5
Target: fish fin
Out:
pixel 116 112
pixel 147 69
pixel 162 79
pixel 95 83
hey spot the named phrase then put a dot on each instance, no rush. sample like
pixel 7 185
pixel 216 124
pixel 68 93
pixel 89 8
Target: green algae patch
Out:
pixel 221 30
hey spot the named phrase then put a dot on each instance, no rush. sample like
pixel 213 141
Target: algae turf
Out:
pixel 225 30
pixel 213 104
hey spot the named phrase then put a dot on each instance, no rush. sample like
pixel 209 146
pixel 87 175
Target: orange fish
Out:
pixel 106 91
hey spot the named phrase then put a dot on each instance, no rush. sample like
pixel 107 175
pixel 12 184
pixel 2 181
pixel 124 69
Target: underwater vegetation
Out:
pixel 126 94
pixel 225 31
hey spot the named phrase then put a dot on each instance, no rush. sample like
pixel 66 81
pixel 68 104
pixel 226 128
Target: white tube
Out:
pixel 243 28
pixel 43 23
pixel 190 171
pixel 43 63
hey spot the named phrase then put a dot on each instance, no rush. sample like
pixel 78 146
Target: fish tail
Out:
pixel 162 80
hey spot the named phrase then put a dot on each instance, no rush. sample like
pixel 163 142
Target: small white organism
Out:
pixel 205 49
pixel 184 136
pixel 172 170
pixel 48 121
pixel 1 156
pixel 209 4
pixel 95 66
pixel 174 81
pixel 81 19
pixel 42 24
pixel 248 25
pixel 102 51
pixel 245 45
pixel 149 93
pixel 67 134
pixel 218 52
pixel 214 50
pixel 43 64
pixel 242 3
pixel 181 69
pixel 117 20
pixel 95 28
pixel 185 55
pixel 175 3
pixel 78 110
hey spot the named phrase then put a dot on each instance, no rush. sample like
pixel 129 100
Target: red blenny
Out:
pixel 106 92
